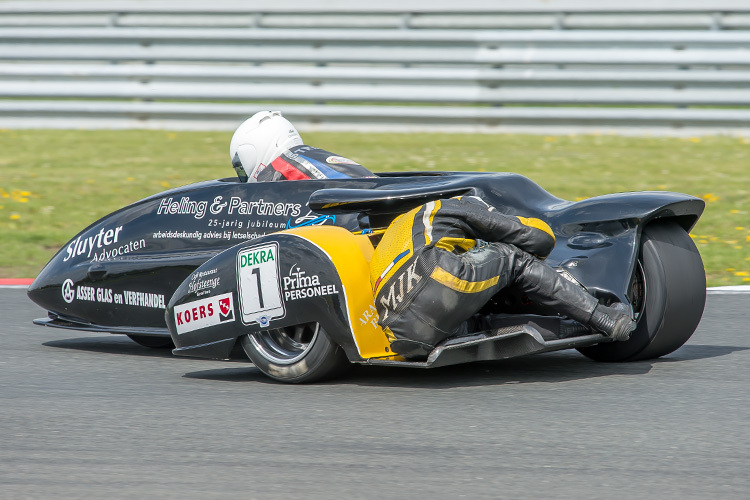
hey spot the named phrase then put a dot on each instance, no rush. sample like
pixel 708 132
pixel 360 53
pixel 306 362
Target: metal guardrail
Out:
pixel 149 65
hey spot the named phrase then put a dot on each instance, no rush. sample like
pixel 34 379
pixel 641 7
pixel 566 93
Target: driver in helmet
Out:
pixel 267 147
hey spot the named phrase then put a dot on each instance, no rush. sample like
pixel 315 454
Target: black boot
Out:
pixel 411 349
pixel 613 321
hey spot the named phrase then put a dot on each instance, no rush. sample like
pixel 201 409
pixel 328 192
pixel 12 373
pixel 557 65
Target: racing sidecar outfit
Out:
pixel 307 162
pixel 438 264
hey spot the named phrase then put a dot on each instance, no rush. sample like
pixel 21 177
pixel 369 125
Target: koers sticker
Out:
pixel 259 285
pixel 203 313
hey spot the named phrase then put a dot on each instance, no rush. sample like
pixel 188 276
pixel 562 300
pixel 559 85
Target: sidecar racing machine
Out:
pixel 282 270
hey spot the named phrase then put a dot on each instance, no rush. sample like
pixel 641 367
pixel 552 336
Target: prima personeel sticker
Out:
pixel 259 285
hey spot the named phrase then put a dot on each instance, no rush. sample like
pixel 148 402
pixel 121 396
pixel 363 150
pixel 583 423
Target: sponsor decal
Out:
pixel 144 299
pixel 226 308
pixel 297 285
pixel 119 251
pixel 260 168
pixel 203 282
pixel 397 287
pixel 370 316
pixel 262 208
pixel 68 292
pixel 85 245
pixel 194 235
pixel 310 219
pixel 219 235
pixel 183 207
pixel 85 293
pixel 92 294
pixel 204 313
pixel 259 285
pixel 235 205
pixel 340 160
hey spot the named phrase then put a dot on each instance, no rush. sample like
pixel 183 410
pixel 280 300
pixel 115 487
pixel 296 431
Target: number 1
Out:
pixel 256 272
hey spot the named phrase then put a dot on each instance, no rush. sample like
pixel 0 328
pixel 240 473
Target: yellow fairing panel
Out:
pixel 351 256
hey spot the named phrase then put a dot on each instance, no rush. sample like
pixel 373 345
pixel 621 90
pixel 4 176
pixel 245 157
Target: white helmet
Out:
pixel 258 141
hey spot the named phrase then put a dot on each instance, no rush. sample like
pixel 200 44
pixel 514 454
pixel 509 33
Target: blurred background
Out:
pixel 491 65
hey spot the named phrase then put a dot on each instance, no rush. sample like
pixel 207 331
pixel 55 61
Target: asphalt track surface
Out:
pixel 94 416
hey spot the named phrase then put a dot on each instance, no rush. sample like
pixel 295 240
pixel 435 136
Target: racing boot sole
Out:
pixel 613 321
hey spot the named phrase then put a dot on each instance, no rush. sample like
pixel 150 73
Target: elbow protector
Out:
pixel 541 239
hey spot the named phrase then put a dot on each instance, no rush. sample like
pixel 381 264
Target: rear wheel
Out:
pixel 152 341
pixel 294 354
pixel 668 293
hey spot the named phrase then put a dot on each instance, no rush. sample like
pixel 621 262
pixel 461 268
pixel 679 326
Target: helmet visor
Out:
pixel 237 164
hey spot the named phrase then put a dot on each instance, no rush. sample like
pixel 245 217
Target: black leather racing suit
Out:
pixel 431 271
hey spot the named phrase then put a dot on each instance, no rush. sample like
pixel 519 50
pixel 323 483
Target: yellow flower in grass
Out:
pixel 742 273
pixel 15 217
pixel 729 269
pixel 734 211
pixel 164 184
pixel 710 197
pixel 739 228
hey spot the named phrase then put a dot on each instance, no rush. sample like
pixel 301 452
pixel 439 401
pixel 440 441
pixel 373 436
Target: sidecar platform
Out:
pixel 59 321
pixel 500 343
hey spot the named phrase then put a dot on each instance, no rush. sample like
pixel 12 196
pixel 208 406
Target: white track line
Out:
pixel 729 289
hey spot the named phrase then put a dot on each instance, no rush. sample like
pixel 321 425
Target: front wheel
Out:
pixel 668 293
pixel 294 354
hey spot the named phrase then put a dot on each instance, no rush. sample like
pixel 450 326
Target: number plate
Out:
pixel 259 285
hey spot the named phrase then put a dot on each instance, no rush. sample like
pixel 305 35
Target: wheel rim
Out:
pixel 637 290
pixel 286 345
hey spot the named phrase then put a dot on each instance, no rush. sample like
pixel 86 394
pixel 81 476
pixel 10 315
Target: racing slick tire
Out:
pixel 668 293
pixel 295 354
pixel 152 341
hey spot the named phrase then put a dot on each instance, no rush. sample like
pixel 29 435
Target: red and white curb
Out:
pixel 15 282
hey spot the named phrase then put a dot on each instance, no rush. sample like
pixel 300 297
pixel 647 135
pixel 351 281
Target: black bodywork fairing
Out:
pixel 118 274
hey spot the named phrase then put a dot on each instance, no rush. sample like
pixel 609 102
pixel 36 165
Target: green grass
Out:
pixel 54 183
